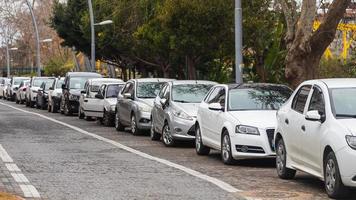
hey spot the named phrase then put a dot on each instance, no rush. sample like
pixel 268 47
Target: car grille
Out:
pixel 249 149
pixel 270 135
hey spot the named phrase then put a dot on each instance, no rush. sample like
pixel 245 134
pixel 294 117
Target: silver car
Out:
pixel 135 102
pixel 3 84
pixel 175 110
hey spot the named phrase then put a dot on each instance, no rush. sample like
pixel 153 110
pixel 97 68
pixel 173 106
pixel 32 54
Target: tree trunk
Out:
pixel 191 68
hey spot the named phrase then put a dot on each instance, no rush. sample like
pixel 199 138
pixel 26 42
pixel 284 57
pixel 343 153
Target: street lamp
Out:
pixel 38 53
pixel 92 24
pixel 238 42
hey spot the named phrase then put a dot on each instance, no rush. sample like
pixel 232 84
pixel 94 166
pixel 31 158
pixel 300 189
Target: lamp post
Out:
pixel 238 42
pixel 38 53
pixel 92 24
pixel 8 58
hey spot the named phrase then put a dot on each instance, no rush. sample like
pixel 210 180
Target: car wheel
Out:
pixel 167 137
pixel 200 148
pixel 153 134
pixel 118 125
pixel 226 153
pixel 134 129
pixel 27 103
pixel 66 110
pixel 37 104
pixel 32 104
pixel 17 100
pixel 281 161
pixel 61 107
pixel 107 119
pixel 54 109
pixel 80 113
pixel 333 183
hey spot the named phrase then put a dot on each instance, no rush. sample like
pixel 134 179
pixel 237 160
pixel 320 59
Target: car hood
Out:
pixel 148 102
pixel 33 88
pixel 350 124
pixel 190 108
pixel 76 92
pixel 261 118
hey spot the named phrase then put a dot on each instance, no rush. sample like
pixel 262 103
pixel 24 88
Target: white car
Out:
pixel 55 95
pixel 21 92
pixel 3 83
pixel 14 87
pixel 106 105
pixel 32 90
pixel 88 103
pixel 175 110
pixel 239 120
pixel 316 133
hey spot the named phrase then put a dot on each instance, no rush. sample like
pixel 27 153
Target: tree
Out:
pixel 305 47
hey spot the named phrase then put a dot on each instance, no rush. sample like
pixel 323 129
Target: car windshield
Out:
pixel 190 93
pixel 38 82
pixel 148 89
pixel 59 83
pixel 18 81
pixel 113 90
pixel 258 98
pixel 78 82
pixel 49 83
pixel 344 102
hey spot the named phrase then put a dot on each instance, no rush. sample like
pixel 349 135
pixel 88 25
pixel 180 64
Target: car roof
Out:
pixel 94 80
pixel 117 83
pixel 253 85
pixel 93 74
pixel 152 80
pixel 336 82
pixel 181 82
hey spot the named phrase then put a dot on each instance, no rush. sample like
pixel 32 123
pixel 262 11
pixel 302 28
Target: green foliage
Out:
pixel 57 66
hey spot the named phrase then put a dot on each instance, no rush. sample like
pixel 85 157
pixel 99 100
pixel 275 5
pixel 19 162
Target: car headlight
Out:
pixel 250 130
pixel 113 107
pixel 181 114
pixel 73 97
pixel 351 140
pixel 144 108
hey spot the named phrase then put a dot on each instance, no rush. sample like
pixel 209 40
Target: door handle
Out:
pixel 85 100
pixel 303 128
pixel 286 121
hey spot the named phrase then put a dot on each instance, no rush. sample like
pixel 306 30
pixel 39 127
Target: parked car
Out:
pixel 21 93
pixel 14 87
pixel 316 134
pixel 32 90
pixel 42 95
pixel 6 90
pixel 87 99
pixel 239 120
pixel 104 110
pixel 3 84
pixel 55 95
pixel 135 103
pixel 175 110
pixel 74 83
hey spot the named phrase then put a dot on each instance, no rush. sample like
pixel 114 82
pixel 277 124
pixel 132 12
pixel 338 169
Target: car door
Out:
pixel 313 132
pixel 217 118
pixel 157 109
pixel 293 121
pixel 125 104
pixel 94 106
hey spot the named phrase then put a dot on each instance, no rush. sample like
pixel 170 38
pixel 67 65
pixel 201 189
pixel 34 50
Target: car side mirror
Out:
pixel 216 107
pixel 313 115
pixel 163 101
pixel 99 96
pixel 83 92
pixel 51 88
pixel 127 96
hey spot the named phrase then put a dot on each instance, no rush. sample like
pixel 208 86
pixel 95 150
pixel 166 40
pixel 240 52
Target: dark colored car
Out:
pixel 71 90
pixel 42 94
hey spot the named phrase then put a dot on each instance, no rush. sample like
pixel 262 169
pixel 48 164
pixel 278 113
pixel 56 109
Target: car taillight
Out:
pixel 24 89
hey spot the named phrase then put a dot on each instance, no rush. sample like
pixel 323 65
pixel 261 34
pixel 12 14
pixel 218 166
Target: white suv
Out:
pixel 316 133
pixel 239 120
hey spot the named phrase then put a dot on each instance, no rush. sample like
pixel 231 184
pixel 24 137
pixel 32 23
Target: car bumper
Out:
pixel 183 129
pixel 252 146
pixel 346 159
pixel 143 120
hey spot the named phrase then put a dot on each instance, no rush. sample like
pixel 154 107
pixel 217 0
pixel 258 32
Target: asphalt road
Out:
pixel 67 158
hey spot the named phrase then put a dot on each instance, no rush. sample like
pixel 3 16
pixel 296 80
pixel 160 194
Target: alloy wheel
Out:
pixel 330 171
pixel 226 147
pixel 198 140
pixel 133 124
pixel 167 136
pixel 280 159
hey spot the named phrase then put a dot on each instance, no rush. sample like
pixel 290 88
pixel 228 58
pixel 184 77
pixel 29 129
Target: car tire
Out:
pixel 107 119
pixel 80 113
pixel 32 104
pixel 200 148
pixel 66 110
pixel 153 134
pixel 61 107
pixel 226 153
pixel 27 103
pixel 54 109
pixel 281 162
pixel 118 125
pixel 17 101
pixel 167 137
pixel 134 129
pixel 333 183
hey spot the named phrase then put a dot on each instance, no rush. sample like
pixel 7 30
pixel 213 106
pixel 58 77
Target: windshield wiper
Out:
pixel 181 101
pixel 346 115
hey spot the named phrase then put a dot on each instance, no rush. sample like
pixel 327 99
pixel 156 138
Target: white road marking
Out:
pixel 5 156
pixel 12 167
pixel 20 178
pixel 30 191
pixel 223 185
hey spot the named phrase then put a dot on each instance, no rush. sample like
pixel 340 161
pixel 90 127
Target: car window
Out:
pixel 102 90
pixel 343 102
pixel 167 93
pixel 300 98
pixel 218 96
pixel 189 93
pixel 317 101
pixel 148 90
pixel 113 90
pixel 128 88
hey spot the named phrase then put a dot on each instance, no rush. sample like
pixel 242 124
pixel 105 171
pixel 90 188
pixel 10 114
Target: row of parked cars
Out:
pixel 312 129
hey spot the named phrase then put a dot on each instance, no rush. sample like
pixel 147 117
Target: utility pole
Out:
pixel 7 58
pixel 91 14
pixel 38 47
pixel 238 42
